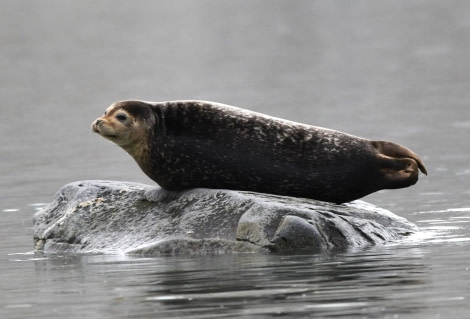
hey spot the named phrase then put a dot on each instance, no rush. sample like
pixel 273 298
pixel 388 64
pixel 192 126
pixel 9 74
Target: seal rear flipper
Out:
pixel 398 172
pixel 396 151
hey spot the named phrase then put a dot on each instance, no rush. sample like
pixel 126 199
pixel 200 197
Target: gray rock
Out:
pixel 107 217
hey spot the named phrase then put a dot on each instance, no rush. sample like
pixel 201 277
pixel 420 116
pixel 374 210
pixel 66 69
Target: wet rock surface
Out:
pixel 109 217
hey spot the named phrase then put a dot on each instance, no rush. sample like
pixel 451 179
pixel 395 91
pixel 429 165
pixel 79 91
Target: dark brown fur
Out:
pixel 190 144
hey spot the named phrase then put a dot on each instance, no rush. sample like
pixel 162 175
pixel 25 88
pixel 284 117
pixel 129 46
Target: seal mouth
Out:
pixel 105 135
pixel 97 128
pixel 110 136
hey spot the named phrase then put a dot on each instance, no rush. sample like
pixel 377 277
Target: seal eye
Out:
pixel 121 117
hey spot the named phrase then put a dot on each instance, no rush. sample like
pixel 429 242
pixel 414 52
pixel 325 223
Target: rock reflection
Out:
pixel 349 283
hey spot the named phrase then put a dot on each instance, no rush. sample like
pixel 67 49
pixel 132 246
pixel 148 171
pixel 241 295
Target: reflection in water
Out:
pixel 354 283
pixel 347 285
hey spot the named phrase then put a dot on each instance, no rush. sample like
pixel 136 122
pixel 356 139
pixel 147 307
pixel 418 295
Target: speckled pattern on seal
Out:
pixel 189 144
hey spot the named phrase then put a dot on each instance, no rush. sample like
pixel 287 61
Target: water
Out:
pixel 395 70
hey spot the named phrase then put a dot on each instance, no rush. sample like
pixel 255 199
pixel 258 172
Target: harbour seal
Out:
pixel 189 144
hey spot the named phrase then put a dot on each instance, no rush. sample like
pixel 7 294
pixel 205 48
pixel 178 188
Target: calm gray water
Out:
pixel 394 70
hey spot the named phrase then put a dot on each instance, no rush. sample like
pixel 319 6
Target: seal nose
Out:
pixel 95 124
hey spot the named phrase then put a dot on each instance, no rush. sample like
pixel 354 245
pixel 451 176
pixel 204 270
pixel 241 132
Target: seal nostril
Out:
pixel 97 122
pixel 95 125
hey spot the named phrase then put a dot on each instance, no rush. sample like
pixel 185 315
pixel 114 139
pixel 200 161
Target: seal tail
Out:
pixel 398 151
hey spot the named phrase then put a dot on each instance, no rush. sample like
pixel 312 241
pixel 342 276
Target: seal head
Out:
pixel 189 144
pixel 127 124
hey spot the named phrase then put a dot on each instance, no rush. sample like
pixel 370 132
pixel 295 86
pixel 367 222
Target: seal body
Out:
pixel 189 144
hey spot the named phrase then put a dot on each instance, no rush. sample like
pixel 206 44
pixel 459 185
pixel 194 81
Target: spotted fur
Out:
pixel 189 144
